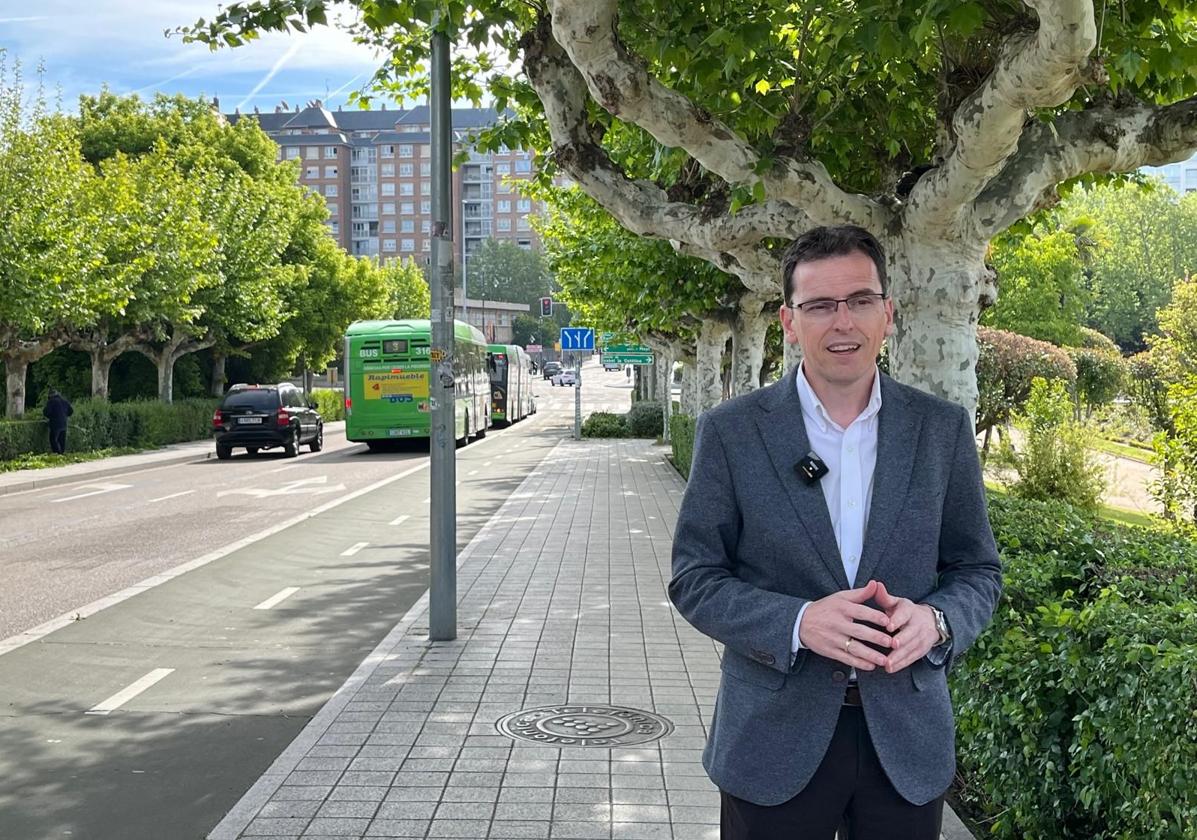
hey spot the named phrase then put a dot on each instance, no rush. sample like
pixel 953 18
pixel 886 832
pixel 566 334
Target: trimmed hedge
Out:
pixel 646 419
pixel 681 435
pixel 1100 376
pixel 1006 364
pixel 97 424
pixel 1074 709
pixel 330 402
pixel 604 424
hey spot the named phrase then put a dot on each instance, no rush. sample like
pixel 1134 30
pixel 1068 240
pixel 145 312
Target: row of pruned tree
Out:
pixel 159 228
pixel 725 131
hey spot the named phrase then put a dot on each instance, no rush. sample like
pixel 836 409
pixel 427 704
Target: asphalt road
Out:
pixel 151 717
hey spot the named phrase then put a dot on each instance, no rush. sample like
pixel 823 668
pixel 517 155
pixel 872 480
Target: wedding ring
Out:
pixel 847 644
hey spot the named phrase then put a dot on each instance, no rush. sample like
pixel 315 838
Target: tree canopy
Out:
pixel 725 129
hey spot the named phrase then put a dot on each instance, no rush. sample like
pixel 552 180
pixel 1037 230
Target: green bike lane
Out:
pixel 151 718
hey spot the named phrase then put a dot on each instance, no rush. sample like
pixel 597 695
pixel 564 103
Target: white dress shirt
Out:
pixel 851 456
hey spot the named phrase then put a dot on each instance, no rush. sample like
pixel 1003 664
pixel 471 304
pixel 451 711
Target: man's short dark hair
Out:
pixel 831 241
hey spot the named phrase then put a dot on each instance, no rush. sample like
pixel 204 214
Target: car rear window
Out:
pixel 257 400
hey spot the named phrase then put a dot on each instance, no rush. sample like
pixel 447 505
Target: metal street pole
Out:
pixel 578 396
pixel 442 585
pixel 465 297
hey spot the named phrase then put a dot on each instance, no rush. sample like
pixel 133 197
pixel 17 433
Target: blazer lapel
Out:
pixel 897 438
pixel 784 432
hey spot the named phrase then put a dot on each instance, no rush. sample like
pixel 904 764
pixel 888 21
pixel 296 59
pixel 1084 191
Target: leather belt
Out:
pixel 852 696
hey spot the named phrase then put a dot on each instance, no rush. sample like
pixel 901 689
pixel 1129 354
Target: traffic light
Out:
pixel 546 307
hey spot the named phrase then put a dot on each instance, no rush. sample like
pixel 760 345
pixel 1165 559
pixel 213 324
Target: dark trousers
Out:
pixel 58 440
pixel 849 792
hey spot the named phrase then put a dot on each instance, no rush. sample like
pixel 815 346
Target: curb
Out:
pixel 952 828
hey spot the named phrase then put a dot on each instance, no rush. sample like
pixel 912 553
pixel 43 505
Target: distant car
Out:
pixel 566 377
pixel 266 416
pixel 611 366
pixel 551 369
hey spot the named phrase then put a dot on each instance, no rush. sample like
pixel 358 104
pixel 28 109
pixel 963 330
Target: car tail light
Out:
pixel 283 417
pixel 217 419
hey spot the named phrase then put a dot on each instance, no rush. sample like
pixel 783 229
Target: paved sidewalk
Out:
pixel 19 481
pixel 561 601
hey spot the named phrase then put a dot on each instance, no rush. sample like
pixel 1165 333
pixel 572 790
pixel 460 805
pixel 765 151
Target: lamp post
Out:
pixel 465 305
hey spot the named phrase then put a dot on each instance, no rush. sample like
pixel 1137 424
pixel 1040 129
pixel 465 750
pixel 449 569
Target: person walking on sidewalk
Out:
pixel 834 537
pixel 56 412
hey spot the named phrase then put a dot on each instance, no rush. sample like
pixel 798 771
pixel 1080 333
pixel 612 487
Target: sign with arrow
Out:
pixel 311 486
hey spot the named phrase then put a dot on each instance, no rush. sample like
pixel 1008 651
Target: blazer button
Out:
pixel 763 657
pixel 838 676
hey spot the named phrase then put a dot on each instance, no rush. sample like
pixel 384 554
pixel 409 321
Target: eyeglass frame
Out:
pixel 878 296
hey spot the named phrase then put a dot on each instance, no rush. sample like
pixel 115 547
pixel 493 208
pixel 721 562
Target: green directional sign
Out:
pixel 627 354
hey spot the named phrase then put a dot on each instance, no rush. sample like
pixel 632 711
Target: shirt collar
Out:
pixel 812 406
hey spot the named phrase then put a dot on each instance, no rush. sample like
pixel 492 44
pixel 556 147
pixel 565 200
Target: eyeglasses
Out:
pixel 868 303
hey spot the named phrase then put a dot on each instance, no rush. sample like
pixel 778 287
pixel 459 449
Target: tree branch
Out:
pixel 1104 139
pixel 1039 70
pixel 621 84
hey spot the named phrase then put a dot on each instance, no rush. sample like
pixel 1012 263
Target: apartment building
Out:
pixel 374 171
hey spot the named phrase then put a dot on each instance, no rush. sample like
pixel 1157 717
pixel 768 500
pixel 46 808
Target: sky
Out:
pixel 85 44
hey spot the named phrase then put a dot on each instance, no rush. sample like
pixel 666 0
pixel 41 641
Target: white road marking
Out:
pixel 274 600
pixel 303 485
pixel 399 520
pixel 354 549
pixel 172 496
pixel 68 618
pixel 100 488
pixel 126 694
pixel 471 472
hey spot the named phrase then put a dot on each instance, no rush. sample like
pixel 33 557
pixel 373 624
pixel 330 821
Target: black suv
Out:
pixel 551 369
pixel 265 416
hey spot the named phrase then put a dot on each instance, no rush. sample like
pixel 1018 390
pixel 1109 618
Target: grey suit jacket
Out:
pixel 754 542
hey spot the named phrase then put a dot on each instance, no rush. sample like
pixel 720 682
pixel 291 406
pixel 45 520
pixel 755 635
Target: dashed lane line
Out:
pixel 276 599
pixel 129 692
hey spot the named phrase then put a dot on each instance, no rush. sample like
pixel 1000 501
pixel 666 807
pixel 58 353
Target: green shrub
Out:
pixel 1055 461
pixel 1100 376
pixel 1176 456
pixel 97 424
pixel 1147 387
pixel 1006 365
pixel 603 424
pixel 681 435
pixel 1074 708
pixel 330 402
pixel 1093 340
pixel 646 419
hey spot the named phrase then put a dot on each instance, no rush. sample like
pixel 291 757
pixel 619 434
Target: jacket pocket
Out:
pixel 743 668
pixel 926 677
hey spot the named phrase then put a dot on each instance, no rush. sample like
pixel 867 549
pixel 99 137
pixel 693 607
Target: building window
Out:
pixel 388 151
pixel 522 224
pixel 407 188
pixel 388 244
pixel 406 170
pixel 388 170
pixel 524 205
pixel 504 206
pixel 311 152
pixel 504 186
pixel 405 151
pixel 425 151
pixel 407 208
pixel 407 226
pixel 426 245
pixel 504 223
pixel 292 152
pixel 502 168
pixel 526 244
pixel 330 189
pixel 425 207
pixel 311 172
pixel 388 188
pixel 388 225
pixel 523 165
pixel 334 227
pixel 330 152
pixel 426 227
pixel 334 208
pixel 408 245
pixel 388 208
pixel 330 172
pixel 425 188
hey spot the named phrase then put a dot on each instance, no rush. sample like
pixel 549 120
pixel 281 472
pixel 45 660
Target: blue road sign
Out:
pixel 577 338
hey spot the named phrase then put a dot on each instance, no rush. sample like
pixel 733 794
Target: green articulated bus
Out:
pixel 510 384
pixel 387 376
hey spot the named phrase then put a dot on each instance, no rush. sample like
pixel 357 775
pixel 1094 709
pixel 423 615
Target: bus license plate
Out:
pixel 249 420
pixel 398 432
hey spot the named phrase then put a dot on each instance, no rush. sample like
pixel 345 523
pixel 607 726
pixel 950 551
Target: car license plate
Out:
pixel 249 420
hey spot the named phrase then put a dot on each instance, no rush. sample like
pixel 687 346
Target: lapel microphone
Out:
pixel 811 468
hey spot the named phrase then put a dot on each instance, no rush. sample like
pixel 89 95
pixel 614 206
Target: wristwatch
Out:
pixel 941 626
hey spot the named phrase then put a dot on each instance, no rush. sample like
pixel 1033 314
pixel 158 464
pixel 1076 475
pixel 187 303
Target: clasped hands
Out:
pixel 831 627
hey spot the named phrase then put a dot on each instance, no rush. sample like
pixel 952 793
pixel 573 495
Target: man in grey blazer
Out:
pixel 834 538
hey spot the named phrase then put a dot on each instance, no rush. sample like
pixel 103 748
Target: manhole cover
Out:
pixel 585 726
